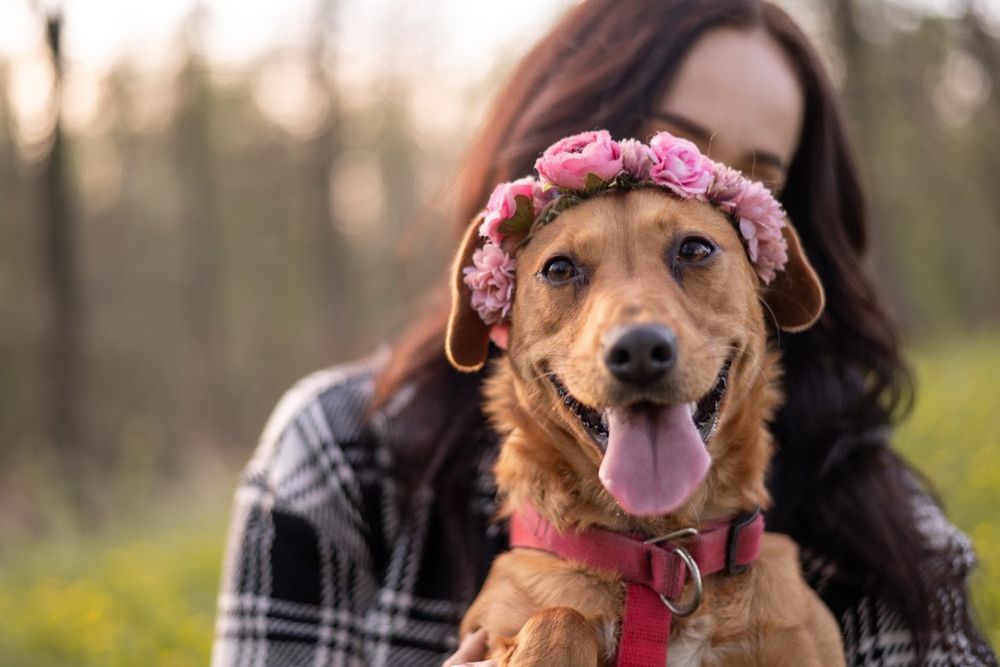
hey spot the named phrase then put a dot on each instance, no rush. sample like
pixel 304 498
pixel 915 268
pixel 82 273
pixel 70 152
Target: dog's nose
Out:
pixel 641 353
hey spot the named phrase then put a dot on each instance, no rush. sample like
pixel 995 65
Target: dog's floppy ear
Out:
pixel 795 296
pixel 467 339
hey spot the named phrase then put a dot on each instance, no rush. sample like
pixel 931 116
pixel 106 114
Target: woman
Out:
pixel 361 528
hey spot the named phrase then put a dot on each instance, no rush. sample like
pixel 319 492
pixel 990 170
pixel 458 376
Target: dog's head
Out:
pixel 640 326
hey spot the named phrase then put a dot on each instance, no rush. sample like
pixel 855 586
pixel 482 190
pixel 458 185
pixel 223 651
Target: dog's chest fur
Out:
pixel 691 646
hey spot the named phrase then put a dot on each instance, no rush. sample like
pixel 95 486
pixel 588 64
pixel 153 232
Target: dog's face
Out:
pixel 635 307
pixel 638 321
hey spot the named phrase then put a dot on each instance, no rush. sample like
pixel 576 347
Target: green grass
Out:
pixel 145 595
pixel 953 436
pixel 140 596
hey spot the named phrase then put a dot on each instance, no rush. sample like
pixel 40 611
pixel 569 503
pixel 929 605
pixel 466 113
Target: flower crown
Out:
pixel 580 166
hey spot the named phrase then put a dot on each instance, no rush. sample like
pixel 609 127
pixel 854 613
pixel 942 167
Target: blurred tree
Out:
pixel 8 164
pixel 63 279
pixel 10 305
pixel 225 257
pixel 401 155
pixel 917 105
pixel 982 43
pixel 193 141
pixel 397 159
pixel 330 254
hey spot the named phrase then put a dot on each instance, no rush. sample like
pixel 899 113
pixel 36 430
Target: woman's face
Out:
pixel 737 97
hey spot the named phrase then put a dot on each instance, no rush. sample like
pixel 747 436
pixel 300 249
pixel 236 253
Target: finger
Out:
pixel 473 647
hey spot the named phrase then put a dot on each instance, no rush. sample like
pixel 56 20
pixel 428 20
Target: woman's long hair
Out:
pixel 837 485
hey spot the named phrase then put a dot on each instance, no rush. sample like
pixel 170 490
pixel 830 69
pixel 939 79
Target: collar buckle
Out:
pixel 744 520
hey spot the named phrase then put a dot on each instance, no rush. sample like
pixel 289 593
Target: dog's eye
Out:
pixel 559 270
pixel 695 250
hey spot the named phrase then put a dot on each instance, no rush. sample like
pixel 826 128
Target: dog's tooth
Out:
pixel 692 407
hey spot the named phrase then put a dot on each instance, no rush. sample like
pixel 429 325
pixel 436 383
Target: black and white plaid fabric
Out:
pixel 321 569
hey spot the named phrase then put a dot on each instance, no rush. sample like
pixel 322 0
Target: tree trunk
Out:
pixel 65 322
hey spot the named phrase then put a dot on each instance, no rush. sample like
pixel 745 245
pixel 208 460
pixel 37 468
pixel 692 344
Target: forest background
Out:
pixel 196 214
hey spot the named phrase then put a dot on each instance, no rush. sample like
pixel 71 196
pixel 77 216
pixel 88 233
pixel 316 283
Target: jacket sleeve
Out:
pixel 303 553
pixel 872 626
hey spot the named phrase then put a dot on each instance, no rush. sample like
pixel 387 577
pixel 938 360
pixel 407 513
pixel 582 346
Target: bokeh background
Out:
pixel 203 200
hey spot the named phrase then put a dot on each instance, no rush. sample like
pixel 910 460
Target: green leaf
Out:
pixel 624 182
pixel 555 207
pixel 593 182
pixel 521 221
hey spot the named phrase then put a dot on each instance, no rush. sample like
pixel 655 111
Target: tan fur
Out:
pixel 540 609
pixel 467 336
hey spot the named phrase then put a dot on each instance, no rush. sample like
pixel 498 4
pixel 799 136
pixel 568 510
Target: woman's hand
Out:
pixel 472 648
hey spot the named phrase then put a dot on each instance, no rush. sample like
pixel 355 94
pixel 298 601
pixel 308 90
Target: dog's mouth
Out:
pixel 654 456
pixel 595 422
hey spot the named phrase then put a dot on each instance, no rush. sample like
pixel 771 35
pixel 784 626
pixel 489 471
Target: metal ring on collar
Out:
pixel 692 606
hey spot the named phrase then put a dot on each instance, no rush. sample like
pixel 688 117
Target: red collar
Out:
pixel 655 575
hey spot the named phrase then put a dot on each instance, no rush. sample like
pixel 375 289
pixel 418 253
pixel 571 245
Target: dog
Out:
pixel 638 376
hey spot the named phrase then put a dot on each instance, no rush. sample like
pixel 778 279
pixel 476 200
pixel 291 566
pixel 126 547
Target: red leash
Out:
pixel 654 575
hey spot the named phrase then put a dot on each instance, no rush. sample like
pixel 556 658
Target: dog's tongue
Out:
pixel 655 459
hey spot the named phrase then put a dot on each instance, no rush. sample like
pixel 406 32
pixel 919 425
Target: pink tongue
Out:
pixel 655 459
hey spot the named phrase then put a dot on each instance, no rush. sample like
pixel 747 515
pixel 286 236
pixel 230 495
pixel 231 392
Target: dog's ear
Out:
pixel 467 339
pixel 795 296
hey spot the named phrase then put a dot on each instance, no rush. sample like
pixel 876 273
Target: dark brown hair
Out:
pixel 837 484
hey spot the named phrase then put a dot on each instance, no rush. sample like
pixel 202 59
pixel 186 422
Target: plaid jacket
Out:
pixel 321 569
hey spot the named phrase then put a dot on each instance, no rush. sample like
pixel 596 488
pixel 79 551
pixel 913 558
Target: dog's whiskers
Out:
pixel 756 369
pixel 774 318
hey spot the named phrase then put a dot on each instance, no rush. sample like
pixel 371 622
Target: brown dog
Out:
pixel 636 311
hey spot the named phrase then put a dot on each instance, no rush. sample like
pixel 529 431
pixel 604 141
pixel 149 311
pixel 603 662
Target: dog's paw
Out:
pixel 557 637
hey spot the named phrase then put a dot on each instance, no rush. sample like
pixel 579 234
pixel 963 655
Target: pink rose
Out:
pixel 761 219
pixel 491 279
pixel 680 166
pixel 503 206
pixel 592 158
pixel 727 185
pixel 637 158
pixel 568 162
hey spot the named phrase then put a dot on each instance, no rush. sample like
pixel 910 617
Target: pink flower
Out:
pixel 503 206
pixel 680 166
pixel 637 158
pixel 568 162
pixel 589 159
pixel 761 219
pixel 491 279
pixel 772 258
pixel 727 185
